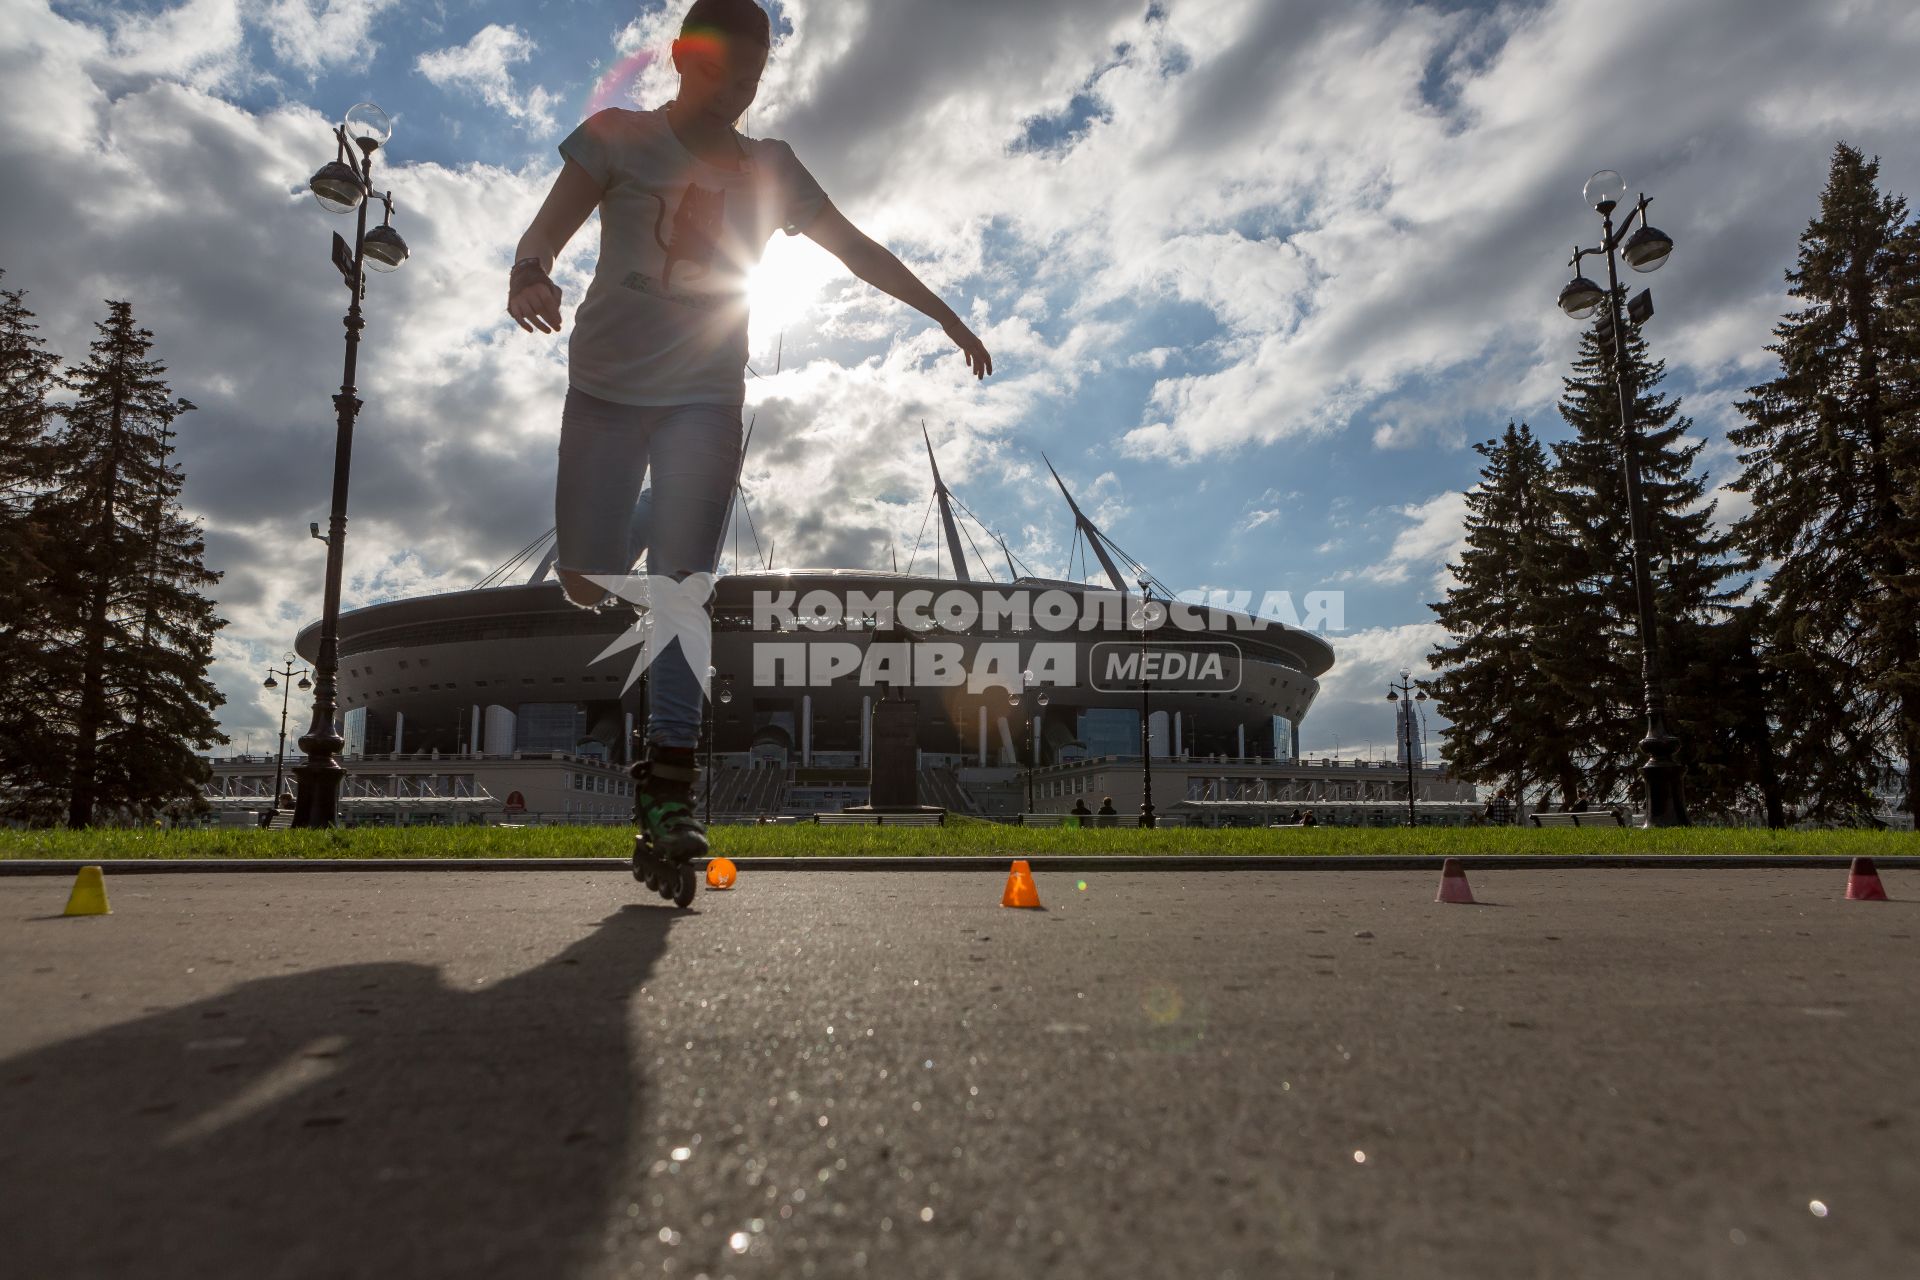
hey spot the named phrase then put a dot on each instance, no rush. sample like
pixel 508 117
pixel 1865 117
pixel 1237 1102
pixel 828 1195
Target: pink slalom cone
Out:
pixel 1863 882
pixel 1453 883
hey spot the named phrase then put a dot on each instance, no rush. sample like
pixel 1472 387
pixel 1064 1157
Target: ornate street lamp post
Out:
pixel 1646 250
pixel 1029 700
pixel 344 184
pixel 286 691
pixel 1396 692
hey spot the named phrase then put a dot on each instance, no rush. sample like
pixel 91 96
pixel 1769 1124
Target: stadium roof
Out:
pixel 1123 571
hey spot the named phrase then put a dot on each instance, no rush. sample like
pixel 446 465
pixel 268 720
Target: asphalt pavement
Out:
pixel 1597 1073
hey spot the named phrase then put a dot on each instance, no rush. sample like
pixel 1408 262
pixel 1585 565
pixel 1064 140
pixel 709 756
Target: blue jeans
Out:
pixel 601 523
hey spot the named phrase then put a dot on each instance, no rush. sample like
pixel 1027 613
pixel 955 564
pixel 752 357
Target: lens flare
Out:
pixel 704 42
pixel 615 87
pixel 1161 1002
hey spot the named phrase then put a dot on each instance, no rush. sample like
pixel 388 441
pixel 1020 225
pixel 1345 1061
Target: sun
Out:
pixel 784 288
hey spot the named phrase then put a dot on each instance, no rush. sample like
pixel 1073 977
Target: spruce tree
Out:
pixel 1593 586
pixel 122 592
pixel 1497 684
pixel 1829 458
pixel 32 712
pixel 1726 708
pixel 157 766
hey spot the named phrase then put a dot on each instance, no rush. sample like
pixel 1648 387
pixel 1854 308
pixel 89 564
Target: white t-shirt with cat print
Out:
pixel 665 319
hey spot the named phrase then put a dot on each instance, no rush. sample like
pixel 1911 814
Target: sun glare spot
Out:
pixel 782 290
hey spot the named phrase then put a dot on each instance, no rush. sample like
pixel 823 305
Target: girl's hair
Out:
pixel 730 19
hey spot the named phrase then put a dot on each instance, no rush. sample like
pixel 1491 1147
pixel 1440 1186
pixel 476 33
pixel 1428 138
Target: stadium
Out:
pixel 521 705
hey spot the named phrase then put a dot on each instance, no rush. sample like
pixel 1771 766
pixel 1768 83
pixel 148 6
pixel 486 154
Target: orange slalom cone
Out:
pixel 720 873
pixel 1863 882
pixel 1453 883
pixel 1021 891
pixel 89 896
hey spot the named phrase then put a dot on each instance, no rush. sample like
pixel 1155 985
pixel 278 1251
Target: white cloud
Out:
pixel 1433 536
pixel 1352 705
pixel 1267 508
pixel 199 43
pixel 317 37
pixel 481 67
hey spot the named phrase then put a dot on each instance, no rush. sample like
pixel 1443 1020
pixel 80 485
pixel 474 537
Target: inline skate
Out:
pixel 670 836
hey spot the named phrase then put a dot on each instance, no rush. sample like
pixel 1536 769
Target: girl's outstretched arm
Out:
pixel 874 263
pixel 536 303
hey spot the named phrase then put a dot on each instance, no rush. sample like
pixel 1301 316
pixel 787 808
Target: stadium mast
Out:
pixel 960 571
pixel 1095 539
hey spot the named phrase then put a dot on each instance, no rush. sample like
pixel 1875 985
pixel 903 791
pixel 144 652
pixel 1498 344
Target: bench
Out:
pixel 282 820
pixel 1085 821
pixel 1053 819
pixel 1591 818
pixel 879 819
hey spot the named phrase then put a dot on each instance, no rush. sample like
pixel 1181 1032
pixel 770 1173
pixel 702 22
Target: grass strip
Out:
pixel 969 840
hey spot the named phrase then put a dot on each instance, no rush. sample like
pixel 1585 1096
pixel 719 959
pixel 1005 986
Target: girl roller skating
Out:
pixel 656 361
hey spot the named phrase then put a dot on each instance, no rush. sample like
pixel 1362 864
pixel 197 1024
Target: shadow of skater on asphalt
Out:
pixel 362 1120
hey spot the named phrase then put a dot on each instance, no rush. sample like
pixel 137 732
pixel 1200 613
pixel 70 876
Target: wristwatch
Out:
pixel 522 268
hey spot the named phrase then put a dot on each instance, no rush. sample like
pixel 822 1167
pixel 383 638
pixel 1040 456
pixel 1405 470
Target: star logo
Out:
pixel 669 609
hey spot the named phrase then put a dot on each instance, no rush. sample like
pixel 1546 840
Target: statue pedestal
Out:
pixel 894 780
pixel 895 777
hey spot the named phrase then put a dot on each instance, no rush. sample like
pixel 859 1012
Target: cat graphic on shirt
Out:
pixel 696 226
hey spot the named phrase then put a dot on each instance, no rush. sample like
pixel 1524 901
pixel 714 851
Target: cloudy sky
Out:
pixel 1254 274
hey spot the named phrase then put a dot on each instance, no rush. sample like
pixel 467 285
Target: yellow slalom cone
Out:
pixel 89 896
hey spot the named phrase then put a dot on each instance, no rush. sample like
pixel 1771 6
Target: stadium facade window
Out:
pixel 1110 731
pixel 548 726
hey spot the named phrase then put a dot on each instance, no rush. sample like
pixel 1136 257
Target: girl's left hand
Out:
pixel 976 351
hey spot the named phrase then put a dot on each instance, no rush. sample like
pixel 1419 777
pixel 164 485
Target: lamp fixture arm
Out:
pixel 1626 224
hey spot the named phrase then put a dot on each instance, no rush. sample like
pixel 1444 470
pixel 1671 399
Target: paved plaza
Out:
pixel 1602 1073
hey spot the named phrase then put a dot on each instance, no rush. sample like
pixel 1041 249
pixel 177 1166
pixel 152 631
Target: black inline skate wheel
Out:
pixel 642 862
pixel 683 892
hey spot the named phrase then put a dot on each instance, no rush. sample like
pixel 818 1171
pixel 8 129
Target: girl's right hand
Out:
pixel 536 304
pixel 979 363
